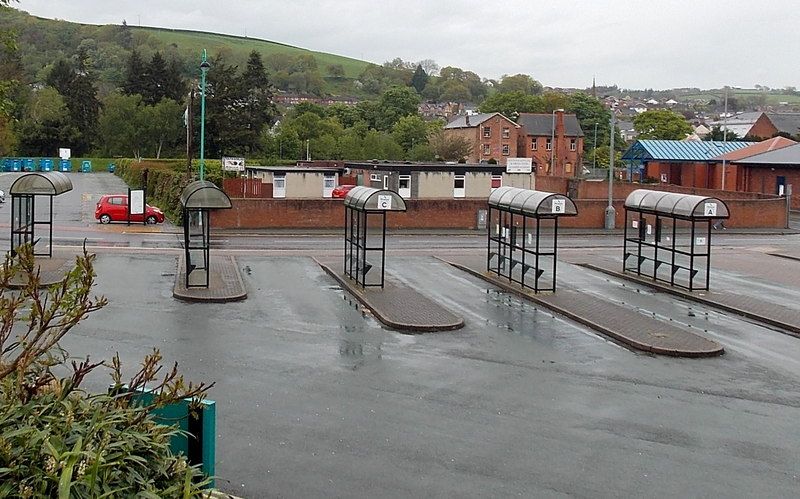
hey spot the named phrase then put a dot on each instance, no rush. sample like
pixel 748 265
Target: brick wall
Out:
pixel 454 213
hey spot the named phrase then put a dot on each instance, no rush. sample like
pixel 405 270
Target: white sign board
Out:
pixel 519 165
pixel 137 202
pixel 664 177
pixel 64 152
pixel 559 205
pixel 635 224
pixel 649 229
pixel 700 241
pixel 233 164
pixel 710 209
pixel 384 202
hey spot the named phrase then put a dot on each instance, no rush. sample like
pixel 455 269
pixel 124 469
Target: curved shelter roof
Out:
pixel 532 203
pixel 41 183
pixel 673 204
pixel 202 194
pixel 363 198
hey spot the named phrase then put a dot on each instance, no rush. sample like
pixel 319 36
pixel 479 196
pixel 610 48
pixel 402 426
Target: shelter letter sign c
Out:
pixel 384 202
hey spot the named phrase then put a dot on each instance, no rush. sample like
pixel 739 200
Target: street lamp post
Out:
pixel 553 142
pixel 611 213
pixel 724 137
pixel 204 66
pixel 594 151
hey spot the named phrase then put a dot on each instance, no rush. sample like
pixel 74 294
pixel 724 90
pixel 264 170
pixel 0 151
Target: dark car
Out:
pixel 341 191
pixel 114 208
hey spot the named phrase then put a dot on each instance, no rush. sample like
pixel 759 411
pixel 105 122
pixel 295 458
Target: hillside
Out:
pixel 42 42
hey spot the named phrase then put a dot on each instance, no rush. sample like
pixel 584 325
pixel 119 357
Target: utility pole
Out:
pixel 724 137
pixel 611 213
pixel 594 151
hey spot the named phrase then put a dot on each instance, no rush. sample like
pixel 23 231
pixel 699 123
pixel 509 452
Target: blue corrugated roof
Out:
pixel 679 150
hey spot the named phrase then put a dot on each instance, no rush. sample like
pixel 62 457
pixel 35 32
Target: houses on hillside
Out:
pixel 553 141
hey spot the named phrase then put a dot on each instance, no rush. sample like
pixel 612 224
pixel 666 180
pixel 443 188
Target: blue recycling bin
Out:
pixel 65 165
pixel 28 165
pixel 7 164
pixel 46 165
pixel 16 165
pixel 86 166
pixel 111 167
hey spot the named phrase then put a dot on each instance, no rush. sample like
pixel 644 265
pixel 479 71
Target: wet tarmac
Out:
pixel 315 399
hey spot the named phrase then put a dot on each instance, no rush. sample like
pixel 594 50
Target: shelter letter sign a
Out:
pixel 558 206
pixel 710 210
pixel 384 202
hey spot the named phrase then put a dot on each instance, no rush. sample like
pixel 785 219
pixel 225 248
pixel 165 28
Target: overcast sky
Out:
pixel 632 43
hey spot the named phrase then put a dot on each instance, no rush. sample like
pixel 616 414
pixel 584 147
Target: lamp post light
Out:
pixel 553 141
pixel 204 66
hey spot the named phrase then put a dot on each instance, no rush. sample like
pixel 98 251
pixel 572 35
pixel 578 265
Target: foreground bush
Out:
pixel 56 439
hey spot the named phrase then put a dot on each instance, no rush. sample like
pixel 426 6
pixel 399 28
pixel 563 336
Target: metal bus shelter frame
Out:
pixel 509 206
pixel 699 212
pixel 198 199
pixel 24 191
pixel 360 204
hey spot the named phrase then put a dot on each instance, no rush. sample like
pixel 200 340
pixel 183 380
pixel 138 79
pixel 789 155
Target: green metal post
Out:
pixel 203 70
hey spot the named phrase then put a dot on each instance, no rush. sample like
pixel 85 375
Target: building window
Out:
pixel 534 143
pixel 573 144
pixel 497 181
pixel 506 132
pixel 487 131
pixel 505 149
pixel 374 177
pixel 548 145
pixel 487 149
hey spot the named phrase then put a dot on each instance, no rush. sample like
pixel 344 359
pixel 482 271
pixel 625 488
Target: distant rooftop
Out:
pixel 678 150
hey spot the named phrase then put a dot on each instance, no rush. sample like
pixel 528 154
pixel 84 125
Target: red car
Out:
pixel 114 208
pixel 341 191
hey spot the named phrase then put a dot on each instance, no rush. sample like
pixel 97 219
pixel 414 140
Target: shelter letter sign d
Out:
pixel 384 202
pixel 558 206
pixel 710 210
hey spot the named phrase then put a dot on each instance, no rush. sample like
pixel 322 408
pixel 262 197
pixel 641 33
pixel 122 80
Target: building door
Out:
pixel 386 182
pixel 780 184
pixel 279 186
pixel 328 183
pixel 459 187
pixel 404 186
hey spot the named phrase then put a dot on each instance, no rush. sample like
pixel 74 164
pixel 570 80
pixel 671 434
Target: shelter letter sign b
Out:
pixel 710 210
pixel 558 206
pixel 384 202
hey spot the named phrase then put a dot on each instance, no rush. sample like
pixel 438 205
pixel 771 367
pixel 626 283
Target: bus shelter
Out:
pixel 365 211
pixel 25 221
pixel 198 199
pixel 668 236
pixel 522 235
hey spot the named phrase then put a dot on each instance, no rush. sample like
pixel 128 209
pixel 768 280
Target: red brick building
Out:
pixel 493 136
pixel 771 172
pixel 554 141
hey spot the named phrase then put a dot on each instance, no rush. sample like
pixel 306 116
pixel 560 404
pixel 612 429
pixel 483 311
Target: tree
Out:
pixel 718 133
pixel 410 131
pixel 76 85
pixel 511 104
pixel 429 66
pixel 420 79
pixel 163 125
pixel 336 71
pixel 46 125
pixel 121 127
pixel 449 147
pixel 257 108
pixel 134 83
pixel 520 83
pixel 589 110
pixel 394 104
pixel 661 124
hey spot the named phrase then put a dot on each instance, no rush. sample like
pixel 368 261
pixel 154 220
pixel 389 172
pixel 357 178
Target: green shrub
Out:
pixel 57 440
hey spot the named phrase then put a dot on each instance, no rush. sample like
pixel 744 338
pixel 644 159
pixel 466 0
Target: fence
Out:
pixel 244 188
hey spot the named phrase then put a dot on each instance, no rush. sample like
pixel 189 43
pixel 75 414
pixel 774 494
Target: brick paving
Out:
pixel 623 325
pixel 397 305
pixel 225 281
pixel 748 306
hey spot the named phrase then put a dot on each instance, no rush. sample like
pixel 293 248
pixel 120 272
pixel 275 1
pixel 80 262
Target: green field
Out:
pixel 240 47
pixel 771 98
